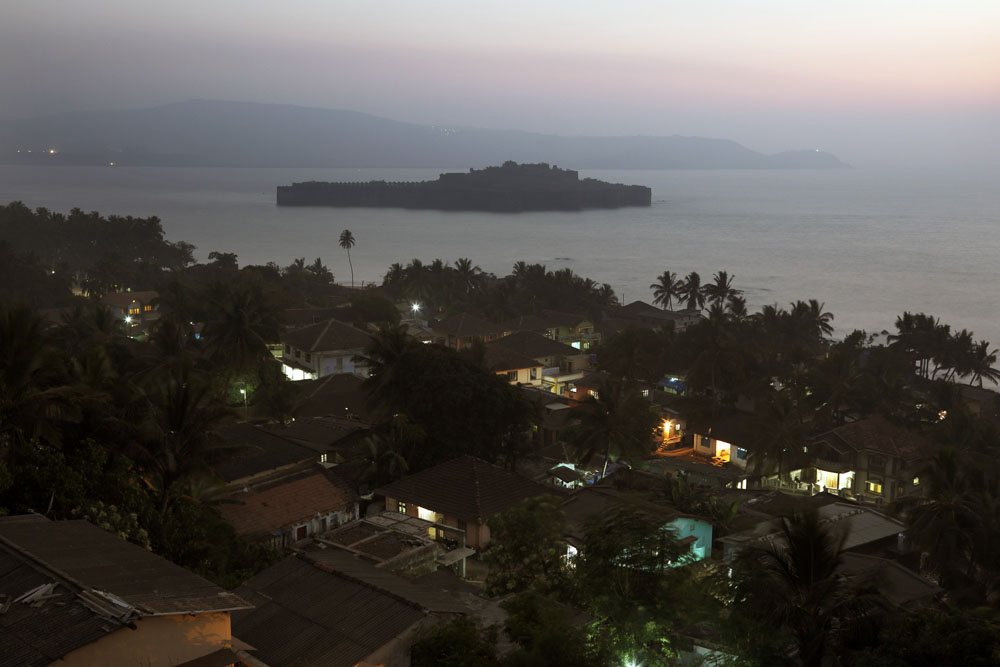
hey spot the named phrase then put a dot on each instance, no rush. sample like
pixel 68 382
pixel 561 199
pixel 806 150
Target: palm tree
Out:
pixel 692 293
pixel 385 358
pixel 176 441
pixel 944 521
pixel 796 582
pixel 666 288
pixel 238 330
pixel 347 242
pixel 616 424
pixel 982 362
pixel 721 290
pixel 34 403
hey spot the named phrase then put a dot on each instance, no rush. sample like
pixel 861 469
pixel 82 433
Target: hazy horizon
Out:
pixel 880 83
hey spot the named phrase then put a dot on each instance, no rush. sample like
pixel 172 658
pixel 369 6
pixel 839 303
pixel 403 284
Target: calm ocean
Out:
pixel 870 244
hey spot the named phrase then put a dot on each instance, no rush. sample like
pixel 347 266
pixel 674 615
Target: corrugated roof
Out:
pixel 39 635
pixel 327 337
pixel 466 488
pixel 308 616
pixel 97 559
pixel 900 585
pixel 267 509
pixel 862 525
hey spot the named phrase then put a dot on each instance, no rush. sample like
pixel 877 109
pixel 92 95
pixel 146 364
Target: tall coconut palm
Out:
pixel 240 325
pixel 666 288
pixel 983 359
pixel 796 582
pixel 692 293
pixel 386 359
pixel 721 289
pixel 347 242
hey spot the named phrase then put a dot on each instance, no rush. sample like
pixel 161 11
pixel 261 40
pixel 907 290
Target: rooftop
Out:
pixel 500 358
pixel 96 559
pixel 265 451
pixel 467 325
pixel 876 434
pixel 327 336
pixel 534 345
pixel 467 488
pixel 266 509
pixel 338 394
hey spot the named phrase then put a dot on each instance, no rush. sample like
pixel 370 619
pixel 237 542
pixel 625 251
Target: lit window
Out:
pixel 874 487
pixel 148 308
pixel 916 481
pixel 323 458
pixel 645 393
pixel 401 507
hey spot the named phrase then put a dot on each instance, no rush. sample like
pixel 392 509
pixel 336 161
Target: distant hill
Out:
pixel 242 134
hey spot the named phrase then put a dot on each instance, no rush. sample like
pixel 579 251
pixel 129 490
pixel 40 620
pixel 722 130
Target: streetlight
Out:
pixel 243 391
pixel 415 307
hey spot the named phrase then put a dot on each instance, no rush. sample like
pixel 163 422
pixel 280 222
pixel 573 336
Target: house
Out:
pixel 322 349
pixel 597 503
pixel 463 493
pixel 871 459
pixel 723 438
pixel 78 595
pixel 512 366
pixel 573 329
pixel 334 439
pixel 644 314
pixel 261 454
pixel 561 363
pixel 459 331
pixel 330 608
pixel 135 309
pixel 286 509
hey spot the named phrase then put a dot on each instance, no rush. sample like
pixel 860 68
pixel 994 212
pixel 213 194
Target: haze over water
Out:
pixel 870 244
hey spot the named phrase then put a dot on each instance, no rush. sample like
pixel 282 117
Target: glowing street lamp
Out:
pixel 128 319
pixel 415 307
pixel 243 391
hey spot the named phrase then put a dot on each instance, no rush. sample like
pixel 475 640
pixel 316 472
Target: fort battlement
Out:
pixel 510 187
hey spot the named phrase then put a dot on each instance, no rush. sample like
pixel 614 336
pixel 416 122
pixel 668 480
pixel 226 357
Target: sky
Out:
pixel 872 81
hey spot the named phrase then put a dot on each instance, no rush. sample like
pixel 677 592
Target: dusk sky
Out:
pixel 872 81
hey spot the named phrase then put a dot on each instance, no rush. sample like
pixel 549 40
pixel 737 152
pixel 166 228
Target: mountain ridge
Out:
pixel 215 133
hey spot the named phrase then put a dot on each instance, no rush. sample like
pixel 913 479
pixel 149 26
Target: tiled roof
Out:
pixel 327 336
pixel 535 345
pixel 467 488
pixel 265 452
pixel 878 435
pixel 305 615
pixel 338 394
pixel 466 325
pixel 499 358
pixel 268 509
pixel 640 308
pixel 123 299
pixel 99 560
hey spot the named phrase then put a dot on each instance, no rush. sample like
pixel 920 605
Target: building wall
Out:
pixel 701 530
pixel 158 641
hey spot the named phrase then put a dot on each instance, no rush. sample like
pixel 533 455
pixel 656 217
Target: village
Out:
pixel 256 466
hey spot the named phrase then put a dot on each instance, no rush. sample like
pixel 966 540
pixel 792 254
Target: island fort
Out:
pixel 511 187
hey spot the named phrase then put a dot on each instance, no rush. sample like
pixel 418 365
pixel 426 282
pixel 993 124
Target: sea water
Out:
pixel 869 244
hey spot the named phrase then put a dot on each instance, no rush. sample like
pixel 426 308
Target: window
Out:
pixel 916 481
pixel 512 376
pixel 147 308
pixel 309 357
pixel 298 354
pixel 301 533
pixel 323 457
pixel 874 486
pixel 645 393
pixel 133 311
pixel 534 374
pixel 401 507
pixel 288 349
